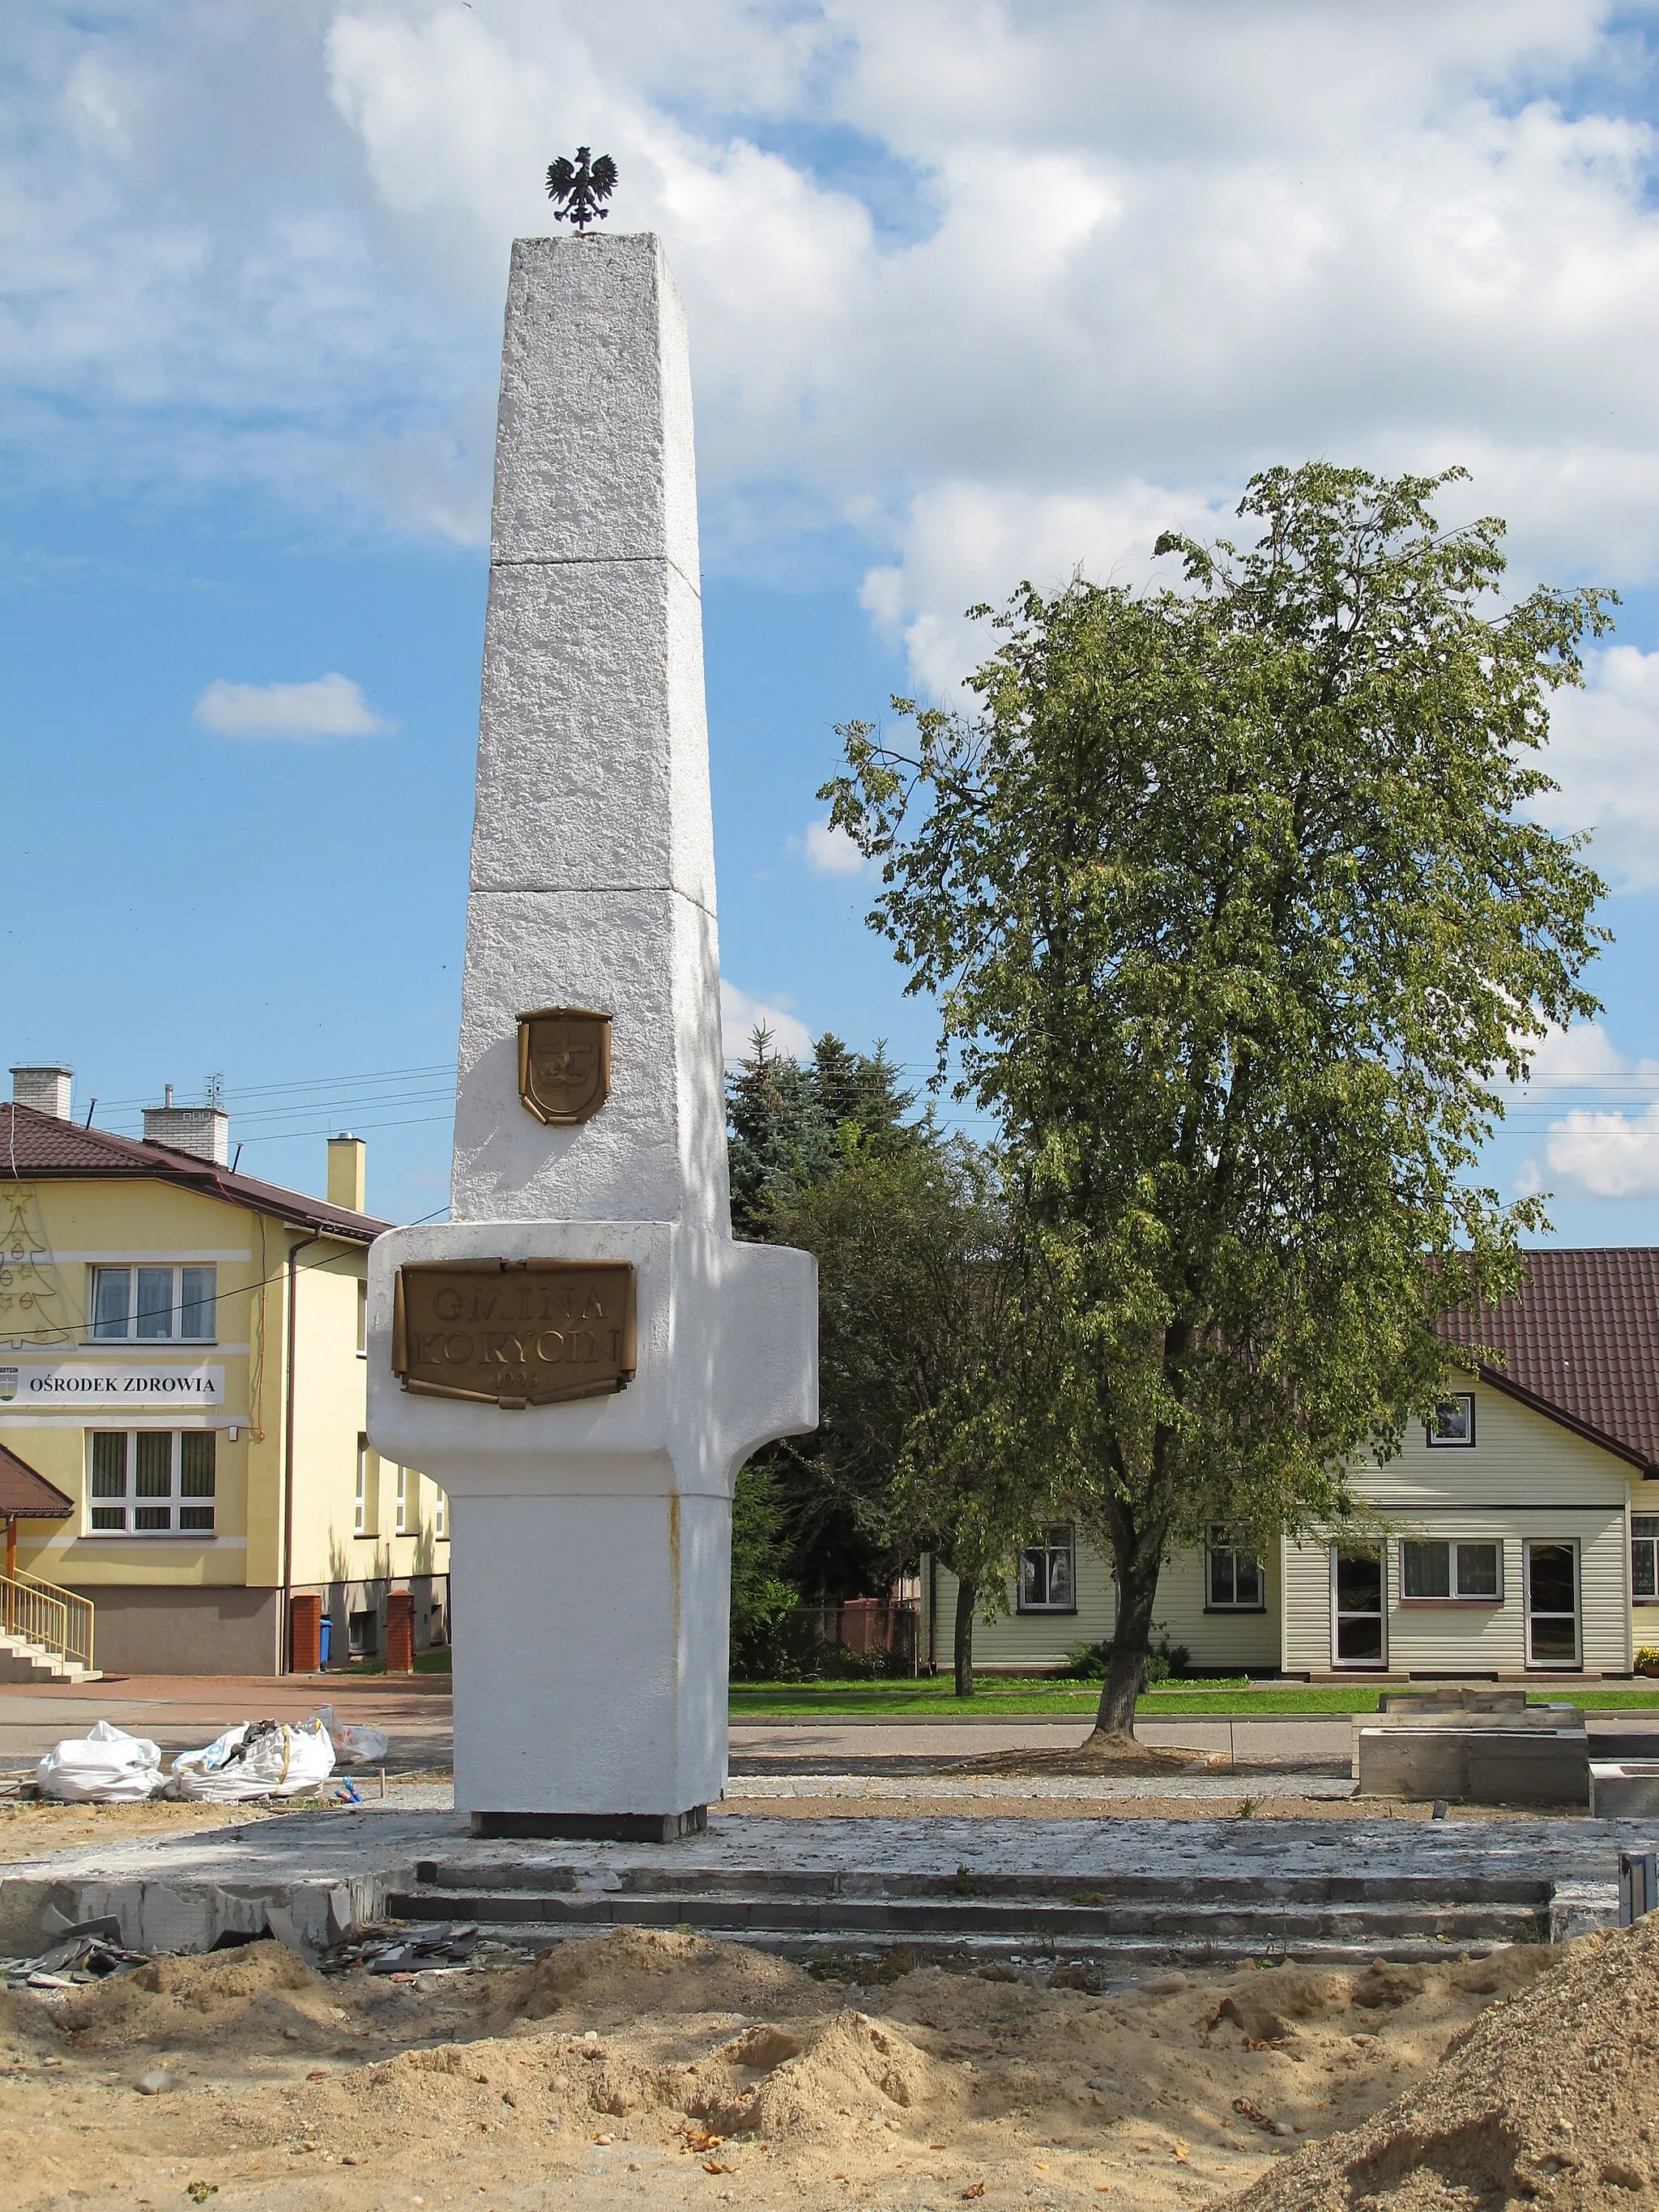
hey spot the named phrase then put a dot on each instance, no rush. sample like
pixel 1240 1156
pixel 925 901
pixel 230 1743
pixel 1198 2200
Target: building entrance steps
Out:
pixel 1090 1890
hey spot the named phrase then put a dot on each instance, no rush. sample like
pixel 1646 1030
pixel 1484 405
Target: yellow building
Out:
pixel 182 1355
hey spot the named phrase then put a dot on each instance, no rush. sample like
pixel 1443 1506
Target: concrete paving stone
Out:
pixel 319 1874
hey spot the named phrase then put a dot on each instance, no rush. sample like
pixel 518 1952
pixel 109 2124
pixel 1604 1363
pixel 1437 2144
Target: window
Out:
pixel 440 1517
pixel 360 1525
pixel 1471 1572
pixel 407 1523
pixel 1645 1557
pixel 1047 1577
pixel 152 1482
pixel 1453 1425
pixel 362 1320
pixel 362 1634
pixel 1233 1580
pixel 153 1305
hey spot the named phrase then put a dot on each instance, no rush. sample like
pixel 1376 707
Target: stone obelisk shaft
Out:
pixel 592 845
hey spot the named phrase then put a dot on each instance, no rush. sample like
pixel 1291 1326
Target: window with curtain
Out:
pixel 1047 1572
pixel 152 1482
pixel 153 1305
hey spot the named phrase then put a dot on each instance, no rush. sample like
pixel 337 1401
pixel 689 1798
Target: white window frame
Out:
pixel 1465 1400
pixel 360 1496
pixel 104 1507
pixel 362 1320
pixel 407 1521
pixel 1057 1540
pixel 1453 1547
pixel 1220 1545
pixel 95 1334
pixel 440 1518
pixel 1644 1531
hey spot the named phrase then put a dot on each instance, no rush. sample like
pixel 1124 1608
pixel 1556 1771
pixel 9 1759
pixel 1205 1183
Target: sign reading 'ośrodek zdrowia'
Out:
pixel 514 1332
pixel 56 1383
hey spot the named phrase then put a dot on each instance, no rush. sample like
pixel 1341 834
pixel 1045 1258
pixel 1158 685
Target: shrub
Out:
pixel 1088 1662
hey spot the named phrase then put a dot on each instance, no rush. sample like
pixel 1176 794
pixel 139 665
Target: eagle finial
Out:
pixel 577 187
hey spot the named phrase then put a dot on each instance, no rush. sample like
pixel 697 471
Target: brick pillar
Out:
pixel 304 1632
pixel 399 1633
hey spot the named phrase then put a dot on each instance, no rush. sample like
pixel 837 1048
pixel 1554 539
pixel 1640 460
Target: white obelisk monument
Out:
pixel 588 1421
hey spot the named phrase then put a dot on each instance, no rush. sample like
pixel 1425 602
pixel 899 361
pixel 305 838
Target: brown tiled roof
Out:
pixel 26 1496
pixel 38 1147
pixel 1581 1343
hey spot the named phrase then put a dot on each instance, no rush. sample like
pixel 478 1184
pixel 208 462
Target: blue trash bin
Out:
pixel 325 1635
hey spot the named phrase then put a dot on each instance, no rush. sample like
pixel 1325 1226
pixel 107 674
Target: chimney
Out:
pixel 203 1130
pixel 46 1089
pixel 348 1173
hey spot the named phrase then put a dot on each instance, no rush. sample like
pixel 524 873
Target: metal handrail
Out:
pixel 58 1621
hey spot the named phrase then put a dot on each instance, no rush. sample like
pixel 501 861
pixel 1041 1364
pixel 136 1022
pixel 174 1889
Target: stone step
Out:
pixel 543 1877
pixel 1015 1923
pixel 23 1662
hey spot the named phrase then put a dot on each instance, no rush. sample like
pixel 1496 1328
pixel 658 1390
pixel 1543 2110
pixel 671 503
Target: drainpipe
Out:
pixel 286 1655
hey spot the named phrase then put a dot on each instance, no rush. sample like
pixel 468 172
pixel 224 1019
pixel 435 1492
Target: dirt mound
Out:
pixel 25 2022
pixel 178 2002
pixel 636 1970
pixel 1550 2095
pixel 852 2068
pixel 1266 2007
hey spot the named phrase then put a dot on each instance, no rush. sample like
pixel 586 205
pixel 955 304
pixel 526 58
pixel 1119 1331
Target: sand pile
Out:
pixel 1550 2096
pixel 641 1970
pixel 260 1991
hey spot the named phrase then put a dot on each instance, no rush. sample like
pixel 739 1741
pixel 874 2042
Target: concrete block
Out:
pixel 1418 1762
pixel 1484 1766
pixel 1625 1789
pixel 1530 1768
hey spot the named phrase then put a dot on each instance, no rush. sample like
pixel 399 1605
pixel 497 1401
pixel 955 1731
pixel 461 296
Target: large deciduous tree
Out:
pixel 1238 922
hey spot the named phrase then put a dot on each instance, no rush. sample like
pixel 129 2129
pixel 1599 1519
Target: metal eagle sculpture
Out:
pixel 577 187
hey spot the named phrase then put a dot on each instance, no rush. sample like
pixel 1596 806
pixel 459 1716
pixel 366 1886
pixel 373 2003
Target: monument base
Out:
pixel 597 1827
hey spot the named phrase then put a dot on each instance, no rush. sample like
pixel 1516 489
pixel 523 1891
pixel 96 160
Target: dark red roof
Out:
pixel 38 1147
pixel 26 1496
pixel 1581 1343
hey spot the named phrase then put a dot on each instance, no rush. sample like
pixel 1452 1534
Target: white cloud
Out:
pixel 828 851
pixel 1579 1054
pixel 741 1016
pixel 1608 1155
pixel 1604 753
pixel 329 707
pixel 1077 279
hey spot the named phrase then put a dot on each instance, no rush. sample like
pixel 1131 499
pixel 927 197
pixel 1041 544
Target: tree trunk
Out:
pixel 1126 1673
pixel 967 1595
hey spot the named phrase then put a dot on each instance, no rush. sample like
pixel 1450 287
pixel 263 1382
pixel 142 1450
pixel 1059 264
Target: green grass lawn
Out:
pixel 1011 1696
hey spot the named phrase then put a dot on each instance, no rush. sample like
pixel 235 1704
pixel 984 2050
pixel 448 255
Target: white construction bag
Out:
pixel 106 1767
pixel 353 1745
pixel 256 1758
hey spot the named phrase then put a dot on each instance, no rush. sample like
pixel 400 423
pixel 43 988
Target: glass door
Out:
pixel 1357 1631
pixel 1551 1605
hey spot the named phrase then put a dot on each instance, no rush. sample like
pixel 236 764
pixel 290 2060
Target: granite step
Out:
pixel 1308 1916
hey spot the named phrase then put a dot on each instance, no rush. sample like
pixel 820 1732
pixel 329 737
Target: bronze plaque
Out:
pixel 514 1332
pixel 564 1063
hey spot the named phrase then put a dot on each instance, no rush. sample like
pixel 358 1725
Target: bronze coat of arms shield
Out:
pixel 564 1063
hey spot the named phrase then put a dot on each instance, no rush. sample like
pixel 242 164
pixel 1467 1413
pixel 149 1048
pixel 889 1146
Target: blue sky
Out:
pixel 976 290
